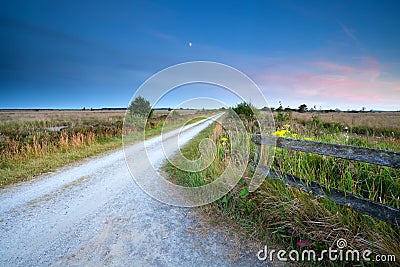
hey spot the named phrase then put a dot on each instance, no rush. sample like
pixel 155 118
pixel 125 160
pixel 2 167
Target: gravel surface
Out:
pixel 93 213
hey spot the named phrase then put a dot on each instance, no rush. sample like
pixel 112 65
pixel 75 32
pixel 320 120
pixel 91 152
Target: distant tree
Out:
pixel 245 110
pixel 140 106
pixel 280 108
pixel 302 108
pixel 84 108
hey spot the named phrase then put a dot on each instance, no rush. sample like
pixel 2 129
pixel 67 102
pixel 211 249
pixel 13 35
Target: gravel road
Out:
pixel 93 213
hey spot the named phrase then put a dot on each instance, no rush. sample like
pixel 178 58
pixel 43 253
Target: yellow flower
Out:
pixel 223 139
pixel 280 133
pixel 307 139
pixel 277 133
pixel 294 135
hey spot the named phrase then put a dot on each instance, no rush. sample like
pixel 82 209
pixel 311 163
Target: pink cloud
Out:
pixel 331 66
pixel 361 84
pixel 333 87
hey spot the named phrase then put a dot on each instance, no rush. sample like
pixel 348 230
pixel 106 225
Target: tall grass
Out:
pixel 33 147
pixel 29 147
pixel 287 215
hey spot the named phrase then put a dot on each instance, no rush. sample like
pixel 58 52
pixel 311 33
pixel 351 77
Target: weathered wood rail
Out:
pixel 375 156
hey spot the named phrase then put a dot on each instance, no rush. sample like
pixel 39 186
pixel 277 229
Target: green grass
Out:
pixel 286 215
pixel 192 179
pixel 191 121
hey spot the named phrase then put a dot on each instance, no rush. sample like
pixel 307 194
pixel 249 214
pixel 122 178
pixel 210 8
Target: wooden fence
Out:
pixel 375 156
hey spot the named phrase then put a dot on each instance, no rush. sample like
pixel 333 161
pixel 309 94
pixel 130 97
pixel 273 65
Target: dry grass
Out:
pixel 183 112
pixel 33 142
pixel 18 116
pixel 376 120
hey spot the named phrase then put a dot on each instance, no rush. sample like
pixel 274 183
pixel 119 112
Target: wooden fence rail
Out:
pixel 375 156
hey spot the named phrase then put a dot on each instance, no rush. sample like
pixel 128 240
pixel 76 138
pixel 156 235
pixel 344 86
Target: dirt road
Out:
pixel 93 213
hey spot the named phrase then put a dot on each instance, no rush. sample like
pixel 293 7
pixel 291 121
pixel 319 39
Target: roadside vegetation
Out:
pixel 295 219
pixel 35 142
pixel 29 148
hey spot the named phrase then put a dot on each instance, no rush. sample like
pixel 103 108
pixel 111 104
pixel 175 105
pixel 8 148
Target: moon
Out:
pixel 190 44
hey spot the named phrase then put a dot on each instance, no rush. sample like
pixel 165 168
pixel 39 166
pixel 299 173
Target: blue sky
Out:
pixel 74 54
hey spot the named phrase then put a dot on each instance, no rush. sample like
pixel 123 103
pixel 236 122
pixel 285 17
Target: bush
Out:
pixel 246 110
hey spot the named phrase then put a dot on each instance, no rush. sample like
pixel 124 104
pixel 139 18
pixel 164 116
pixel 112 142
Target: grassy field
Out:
pixel 370 120
pixel 35 142
pixel 299 220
